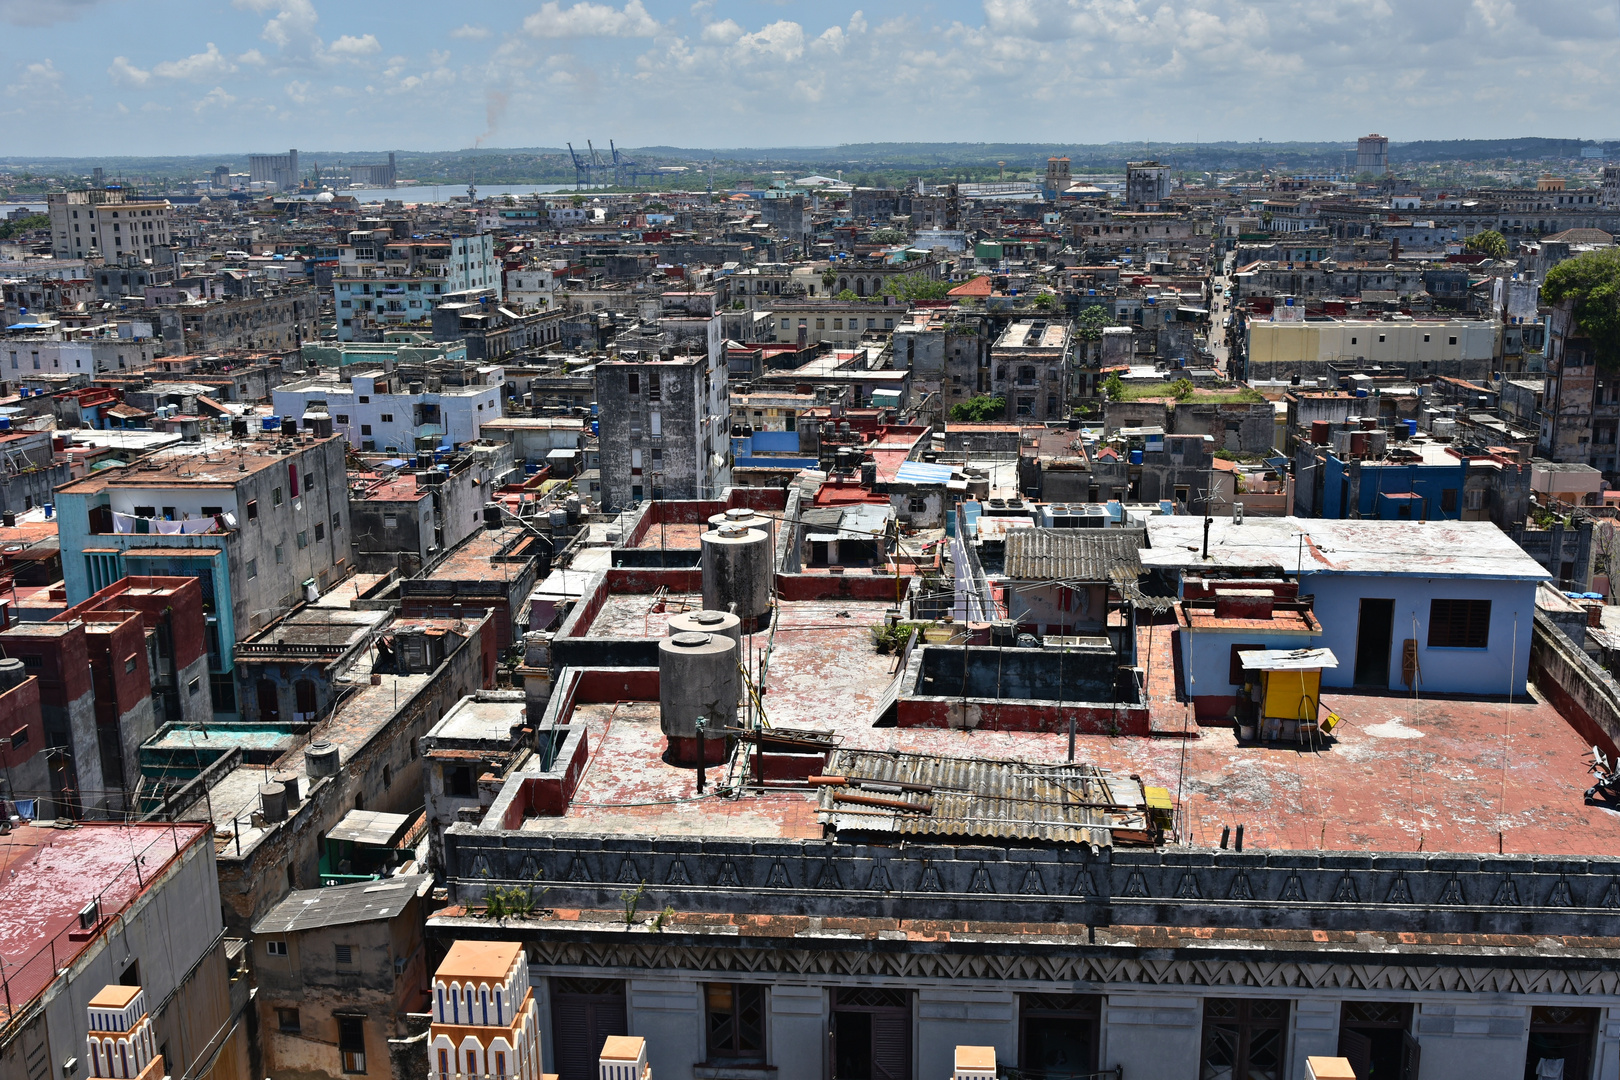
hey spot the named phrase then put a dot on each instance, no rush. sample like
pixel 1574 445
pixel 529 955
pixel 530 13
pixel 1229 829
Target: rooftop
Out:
pixel 479 960
pixel 212 463
pixel 1311 545
pixel 340 905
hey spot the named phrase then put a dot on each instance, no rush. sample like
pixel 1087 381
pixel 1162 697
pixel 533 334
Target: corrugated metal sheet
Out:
pixel 920 472
pixel 1073 554
pixel 971 797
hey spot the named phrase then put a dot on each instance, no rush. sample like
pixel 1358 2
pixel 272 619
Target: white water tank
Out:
pixel 697 677
pixel 737 571
pixel 707 622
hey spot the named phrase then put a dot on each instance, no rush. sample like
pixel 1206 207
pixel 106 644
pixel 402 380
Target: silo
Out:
pixel 697 676
pixel 707 622
pixel 737 570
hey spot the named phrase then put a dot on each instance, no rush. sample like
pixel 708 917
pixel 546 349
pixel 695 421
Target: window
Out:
pixel 1057 1034
pixel 365 399
pixel 390 521
pixel 129 663
pixel 342 418
pixel 1451 341
pixel 303 539
pixel 278 555
pixel 275 497
pixel 345 954
pixel 365 429
pixel 1448 500
pixel 252 569
pixel 195 686
pixel 352 1043
pixel 1459 624
pixel 919 505
pixel 275 948
pixel 736 1020
pixel 387 418
pixel 1561 1034
pixel 287 1020
pixel 337 523
pixel 1243 1038
pixel 632 383
pixel 320 530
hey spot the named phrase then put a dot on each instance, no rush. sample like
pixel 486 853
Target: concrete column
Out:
pixel 949 1017
pixel 1607 1056
pixel 798 1031
pixel 668 1013
pixel 1315 1033
pixel 1470 1041
pixel 1156 1035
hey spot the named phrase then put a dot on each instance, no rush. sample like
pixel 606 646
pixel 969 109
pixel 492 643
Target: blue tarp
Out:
pixel 920 472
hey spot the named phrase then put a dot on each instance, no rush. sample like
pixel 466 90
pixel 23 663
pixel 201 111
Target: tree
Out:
pixel 1182 389
pixel 889 236
pixel 8 229
pixel 979 409
pixel 1091 322
pixel 1591 282
pixel 829 278
pixel 1046 301
pixel 1114 386
pixel 1490 242
pixel 916 287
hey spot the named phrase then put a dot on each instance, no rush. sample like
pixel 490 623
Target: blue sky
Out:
pixel 87 77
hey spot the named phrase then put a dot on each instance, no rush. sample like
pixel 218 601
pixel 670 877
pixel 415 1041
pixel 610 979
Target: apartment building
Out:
pixel 383 282
pixel 1029 367
pixel 261 522
pixel 386 412
pixel 663 427
pixel 116 224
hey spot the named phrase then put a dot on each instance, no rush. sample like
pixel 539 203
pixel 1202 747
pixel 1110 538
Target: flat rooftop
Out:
pixel 216 462
pixel 472 718
pixel 49 875
pixel 1430 775
pixel 475 559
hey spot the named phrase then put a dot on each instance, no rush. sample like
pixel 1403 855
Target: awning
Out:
pixel 1287 659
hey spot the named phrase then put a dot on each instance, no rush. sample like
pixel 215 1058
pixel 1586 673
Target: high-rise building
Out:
pixel 486 1022
pixel 1372 154
pixel 1610 196
pixel 280 170
pixel 663 427
pixel 1147 184
pixel 117 224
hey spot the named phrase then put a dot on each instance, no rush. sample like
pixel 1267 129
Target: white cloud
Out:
pixel 37 13
pixel 469 32
pixel 200 67
pixel 586 19
pixel 39 77
pixel 216 98
pixel 351 47
pixel 125 73
pixel 726 30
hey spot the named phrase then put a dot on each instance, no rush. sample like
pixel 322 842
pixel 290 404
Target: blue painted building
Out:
pixel 1445 607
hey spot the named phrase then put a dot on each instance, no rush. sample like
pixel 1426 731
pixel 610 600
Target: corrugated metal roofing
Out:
pixel 336 905
pixel 1288 659
pixel 972 797
pixel 1072 554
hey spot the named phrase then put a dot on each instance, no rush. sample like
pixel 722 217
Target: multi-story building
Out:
pixel 339 969
pixel 1029 367
pixel 1147 184
pixel 402 520
pixel 383 282
pixel 118 225
pixel 486 1020
pixel 663 427
pixel 383 411
pixel 124 919
pixel 263 523
pixel 1416 348
pixel 278 171
pixel 279 320
pixel 1372 154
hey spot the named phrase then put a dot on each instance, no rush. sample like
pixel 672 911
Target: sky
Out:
pixel 159 77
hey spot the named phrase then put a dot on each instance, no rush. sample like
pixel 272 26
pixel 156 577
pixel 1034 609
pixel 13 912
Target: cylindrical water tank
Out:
pixel 12 674
pixel 737 570
pixel 321 759
pixel 273 802
pixel 748 519
pixel 707 622
pixel 557 519
pixel 697 677
pixel 289 781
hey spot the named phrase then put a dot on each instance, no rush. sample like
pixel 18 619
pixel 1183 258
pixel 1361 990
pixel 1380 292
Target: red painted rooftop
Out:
pixel 49 875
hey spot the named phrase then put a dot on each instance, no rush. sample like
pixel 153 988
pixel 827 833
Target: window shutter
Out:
pixel 891 1046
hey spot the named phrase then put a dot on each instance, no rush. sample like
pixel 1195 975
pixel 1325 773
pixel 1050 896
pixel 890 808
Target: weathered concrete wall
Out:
pixel 1585 694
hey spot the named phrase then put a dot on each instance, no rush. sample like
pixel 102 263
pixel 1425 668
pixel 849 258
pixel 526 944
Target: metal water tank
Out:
pixel 12 674
pixel 707 622
pixel 273 802
pixel 321 759
pixel 748 519
pixel 697 677
pixel 737 570
pixel 289 781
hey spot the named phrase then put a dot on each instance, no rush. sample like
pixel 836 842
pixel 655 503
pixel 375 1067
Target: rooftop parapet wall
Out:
pixel 1414 893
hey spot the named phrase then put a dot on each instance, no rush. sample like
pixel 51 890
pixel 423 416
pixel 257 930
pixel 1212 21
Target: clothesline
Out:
pixel 129 523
